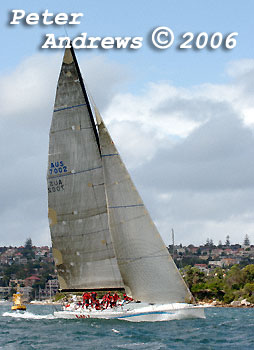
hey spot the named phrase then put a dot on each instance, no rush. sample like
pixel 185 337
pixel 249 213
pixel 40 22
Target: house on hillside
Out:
pixel 30 281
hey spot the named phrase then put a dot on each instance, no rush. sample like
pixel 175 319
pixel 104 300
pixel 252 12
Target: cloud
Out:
pixel 27 99
pixel 199 178
pixel 104 78
pixel 214 156
pixel 190 151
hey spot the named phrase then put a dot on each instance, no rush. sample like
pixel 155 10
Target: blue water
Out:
pixel 224 328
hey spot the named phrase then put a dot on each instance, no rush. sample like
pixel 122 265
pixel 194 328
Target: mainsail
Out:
pixel 81 241
pixel 102 235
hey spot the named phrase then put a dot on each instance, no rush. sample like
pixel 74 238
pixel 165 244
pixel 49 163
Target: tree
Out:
pixel 207 242
pixel 235 278
pixel 246 241
pixel 193 276
pixel 28 243
pixel 28 249
pixel 227 243
pixel 248 273
pixel 219 244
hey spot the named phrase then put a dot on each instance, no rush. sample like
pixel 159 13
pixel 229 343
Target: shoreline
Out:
pixel 235 304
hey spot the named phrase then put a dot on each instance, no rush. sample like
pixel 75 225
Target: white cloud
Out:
pixel 189 150
pixel 27 98
pixel 199 178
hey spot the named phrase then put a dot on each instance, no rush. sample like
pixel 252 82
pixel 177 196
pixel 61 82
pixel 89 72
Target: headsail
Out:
pixel 81 241
pixel 147 268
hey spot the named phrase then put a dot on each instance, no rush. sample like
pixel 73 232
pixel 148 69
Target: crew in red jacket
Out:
pixel 115 298
pixel 97 305
pixel 86 299
pixel 126 298
pixel 93 297
pixel 104 299
pixel 109 300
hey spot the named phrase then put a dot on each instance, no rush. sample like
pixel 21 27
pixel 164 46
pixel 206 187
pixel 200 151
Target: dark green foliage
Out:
pixel 188 260
pixel 28 251
pixel 226 286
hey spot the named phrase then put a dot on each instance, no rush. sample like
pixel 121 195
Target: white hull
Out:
pixel 138 312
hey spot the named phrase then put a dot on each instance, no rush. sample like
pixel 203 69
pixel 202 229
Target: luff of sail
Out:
pixel 81 241
pixel 147 269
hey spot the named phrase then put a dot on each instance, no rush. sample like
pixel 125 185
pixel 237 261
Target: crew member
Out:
pixel 115 298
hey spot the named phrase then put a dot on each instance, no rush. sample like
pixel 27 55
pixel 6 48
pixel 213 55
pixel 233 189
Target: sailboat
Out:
pixel 103 237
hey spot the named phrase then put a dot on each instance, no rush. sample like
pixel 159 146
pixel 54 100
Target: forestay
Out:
pixel 147 269
pixel 81 241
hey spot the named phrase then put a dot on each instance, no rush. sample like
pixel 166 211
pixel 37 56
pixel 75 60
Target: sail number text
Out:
pixel 55 186
pixel 163 38
pixel 57 168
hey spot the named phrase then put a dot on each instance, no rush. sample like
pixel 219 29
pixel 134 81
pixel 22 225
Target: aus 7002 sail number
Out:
pixel 57 168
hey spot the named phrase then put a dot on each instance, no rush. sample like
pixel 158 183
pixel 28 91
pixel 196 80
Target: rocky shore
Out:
pixel 236 303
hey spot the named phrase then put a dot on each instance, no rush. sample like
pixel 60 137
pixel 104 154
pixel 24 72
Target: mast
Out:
pixel 173 244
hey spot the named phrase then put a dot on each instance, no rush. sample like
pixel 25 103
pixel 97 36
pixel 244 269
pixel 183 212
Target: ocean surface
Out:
pixel 223 328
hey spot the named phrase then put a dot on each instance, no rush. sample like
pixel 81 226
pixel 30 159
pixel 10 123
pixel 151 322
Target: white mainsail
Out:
pixel 81 241
pixel 148 271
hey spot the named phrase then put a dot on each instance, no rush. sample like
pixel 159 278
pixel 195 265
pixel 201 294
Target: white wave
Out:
pixel 27 315
pixel 115 330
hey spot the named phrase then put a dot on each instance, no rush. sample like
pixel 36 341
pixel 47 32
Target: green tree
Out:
pixel 192 276
pixel 248 273
pixel 235 278
pixel 28 251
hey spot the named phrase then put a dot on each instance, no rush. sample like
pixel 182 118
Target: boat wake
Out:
pixel 27 315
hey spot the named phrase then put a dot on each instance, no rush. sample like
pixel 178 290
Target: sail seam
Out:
pixel 83 234
pixel 127 206
pixel 97 251
pixel 110 155
pixel 141 257
pixel 77 172
pixel 67 129
pixel 88 212
pixel 62 109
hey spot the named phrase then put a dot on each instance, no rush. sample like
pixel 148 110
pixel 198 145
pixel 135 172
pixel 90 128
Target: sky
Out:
pixel 182 119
